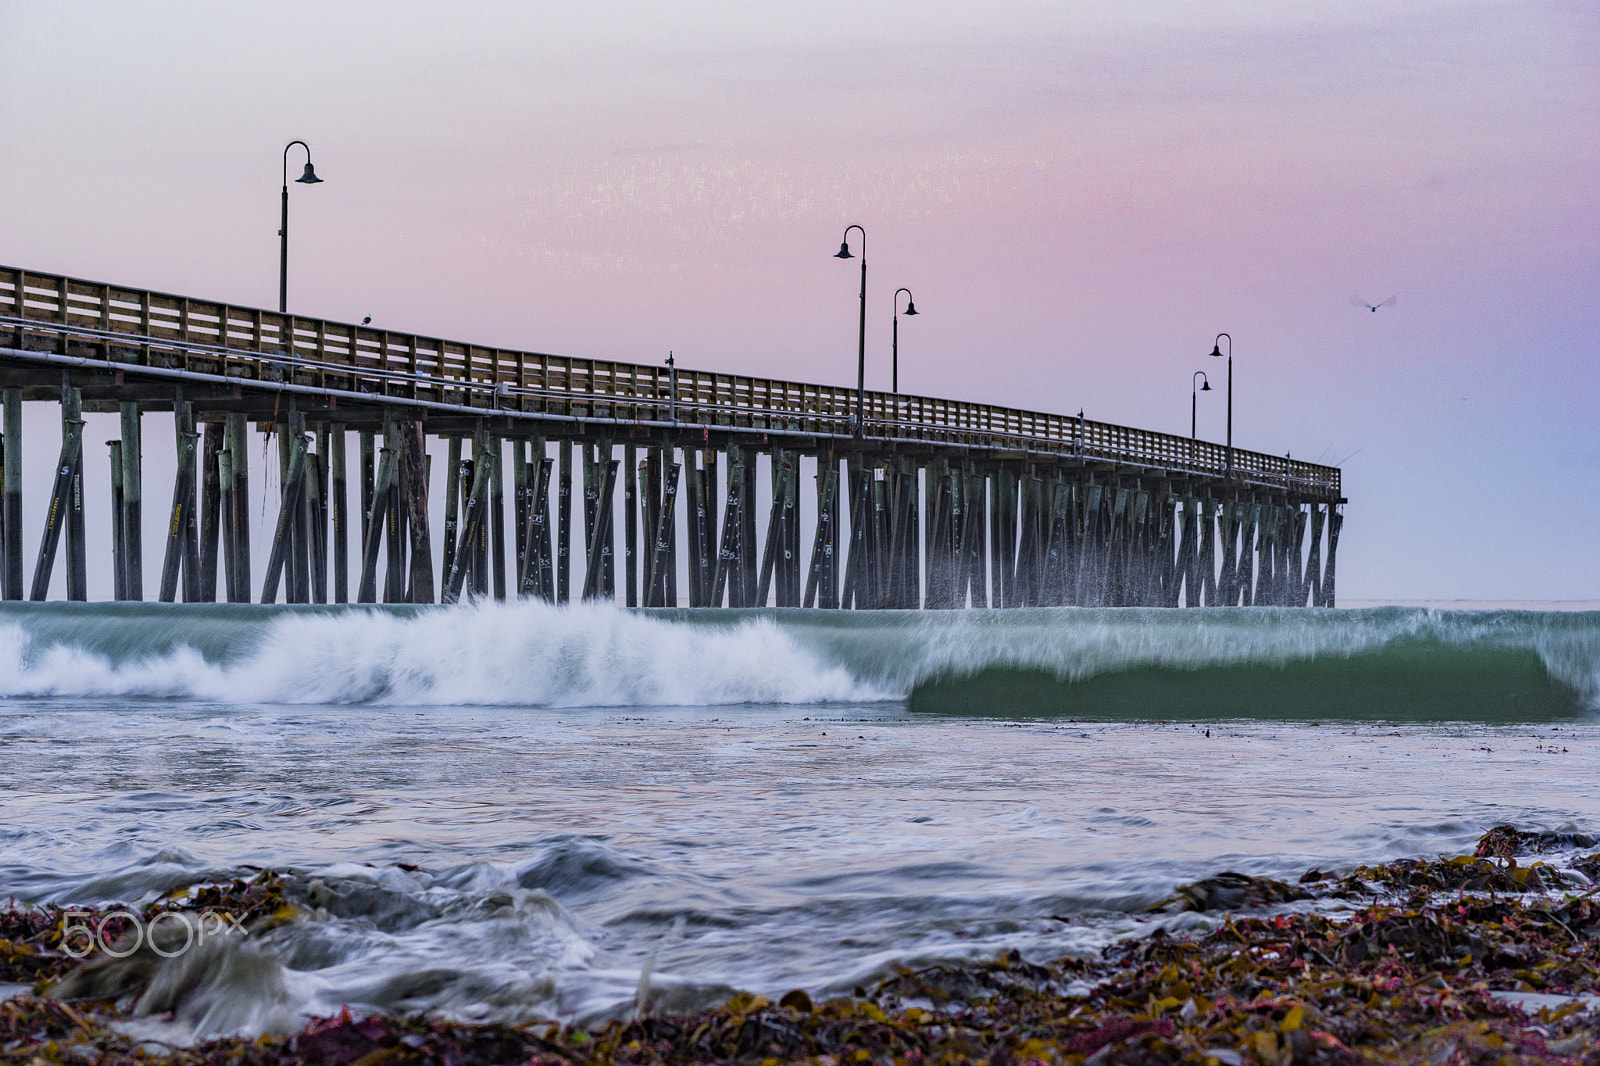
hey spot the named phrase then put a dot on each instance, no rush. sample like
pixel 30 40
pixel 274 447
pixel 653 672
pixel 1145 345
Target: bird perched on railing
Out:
pixel 1356 301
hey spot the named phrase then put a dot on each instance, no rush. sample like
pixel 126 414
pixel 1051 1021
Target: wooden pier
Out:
pixel 697 489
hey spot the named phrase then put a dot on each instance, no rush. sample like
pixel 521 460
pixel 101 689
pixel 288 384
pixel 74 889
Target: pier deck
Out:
pixel 946 503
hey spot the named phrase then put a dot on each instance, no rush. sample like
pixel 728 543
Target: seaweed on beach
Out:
pixel 31 949
pixel 1411 962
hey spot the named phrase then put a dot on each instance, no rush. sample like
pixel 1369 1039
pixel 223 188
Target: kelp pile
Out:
pixel 1408 962
pixel 32 951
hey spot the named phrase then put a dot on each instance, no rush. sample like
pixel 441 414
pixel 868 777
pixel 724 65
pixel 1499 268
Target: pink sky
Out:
pixel 1080 196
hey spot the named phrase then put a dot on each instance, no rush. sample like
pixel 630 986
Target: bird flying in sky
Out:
pixel 1356 301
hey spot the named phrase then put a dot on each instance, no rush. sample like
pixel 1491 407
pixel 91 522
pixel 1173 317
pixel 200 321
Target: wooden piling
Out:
pixel 367 590
pixel 314 514
pixel 77 539
pixel 132 514
pixel 230 578
pixel 119 568
pixel 12 400
pixel 821 587
pixel 497 515
pixel 391 502
pixel 452 505
pixel 855 594
pixel 519 510
pixel 239 509
pixel 210 510
pixel 630 524
pixel 472 527
pixel 658 586
pixel 1313 576
pixel 414 482
pixel 1250 529
pixel 699 563
pixel 182 494
pixel 338 503
pixel 564 521
pixel 1335 522
pixel 775 534
pixel 605 483
pixel 317 494
pixel 540 580
pixel 190 457
pixel 288 512
pixel 368 481
pixel 729 572
pixel 57 515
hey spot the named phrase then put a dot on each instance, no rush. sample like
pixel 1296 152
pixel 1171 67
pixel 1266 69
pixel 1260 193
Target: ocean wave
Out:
pixel 1406 663
pixel 523 654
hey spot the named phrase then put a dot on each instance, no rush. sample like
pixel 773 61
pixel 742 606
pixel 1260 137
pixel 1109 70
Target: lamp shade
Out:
pixel 309 177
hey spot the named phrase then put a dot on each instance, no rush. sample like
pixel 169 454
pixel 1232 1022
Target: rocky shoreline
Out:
pixel 1486 958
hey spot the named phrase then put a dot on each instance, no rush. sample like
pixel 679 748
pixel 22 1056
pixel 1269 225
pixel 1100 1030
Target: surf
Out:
pixel 1404 664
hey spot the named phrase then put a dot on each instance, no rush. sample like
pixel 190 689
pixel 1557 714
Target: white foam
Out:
pixel 525 654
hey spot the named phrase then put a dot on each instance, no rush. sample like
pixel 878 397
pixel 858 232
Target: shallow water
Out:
pixel 509 860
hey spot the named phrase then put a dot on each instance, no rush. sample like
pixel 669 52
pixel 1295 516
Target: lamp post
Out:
pixel 1216 350
pixel 1193 394
pixel 861 345
pixel 911 309
pixel 308 178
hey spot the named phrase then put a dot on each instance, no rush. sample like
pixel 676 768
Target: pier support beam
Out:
pixel 210 510
pixel 288 511
pixel 414 485
pixel 1335 521
pixel 183 494
pixel 382 488
pixel 58 514
pixel 12 400
pixel 393 519
pixel 119 568
pixel 369 476
pixel 1313 579
pixel 564 521
pixel 339 504
pixel 497 515
pixel 659 591
pixel 539 579
pixel 132 513
pixel 77 538
pixel 238 530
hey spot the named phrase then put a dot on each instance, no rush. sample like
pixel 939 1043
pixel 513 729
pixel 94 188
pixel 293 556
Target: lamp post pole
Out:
pixel 1199 375
pixel 1216 350
pixel 911 309
pixel 308 178
pixel 861 342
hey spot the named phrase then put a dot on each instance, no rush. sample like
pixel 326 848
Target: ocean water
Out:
pixel 519 812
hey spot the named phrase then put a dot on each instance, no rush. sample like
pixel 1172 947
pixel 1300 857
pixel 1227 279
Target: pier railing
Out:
pixel 138 327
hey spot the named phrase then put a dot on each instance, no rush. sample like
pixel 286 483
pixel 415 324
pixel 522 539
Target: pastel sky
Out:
pixel 1081 195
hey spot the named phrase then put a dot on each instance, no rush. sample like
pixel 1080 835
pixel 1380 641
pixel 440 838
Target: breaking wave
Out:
pixel 1399 663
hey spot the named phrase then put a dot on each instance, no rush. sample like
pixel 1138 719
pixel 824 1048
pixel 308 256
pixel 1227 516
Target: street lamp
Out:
pixel 1216 351
pixel 861 346
pixel 308 178
pixel 1193 393
pixel 911 309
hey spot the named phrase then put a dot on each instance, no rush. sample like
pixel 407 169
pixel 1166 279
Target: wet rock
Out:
pixel 1231 892
pixel 1507 841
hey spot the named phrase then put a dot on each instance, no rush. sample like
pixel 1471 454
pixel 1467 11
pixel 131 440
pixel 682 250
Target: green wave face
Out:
pixel 1407 682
